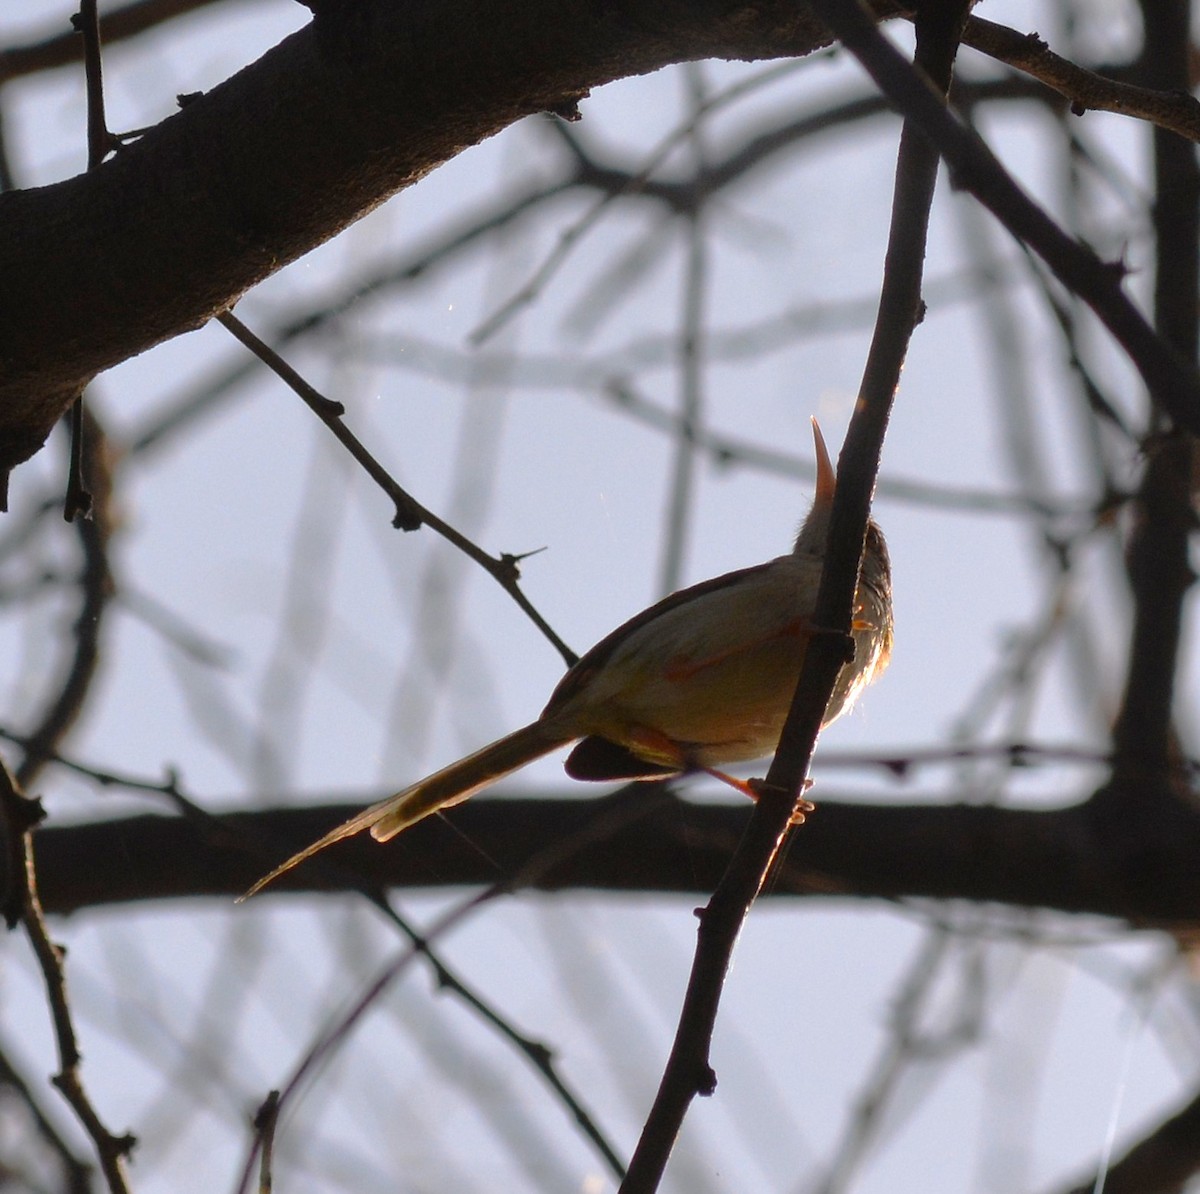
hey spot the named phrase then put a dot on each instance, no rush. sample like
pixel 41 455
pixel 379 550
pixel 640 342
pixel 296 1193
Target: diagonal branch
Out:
pixel 688 1071
pixel 1170 377
pixel 410 514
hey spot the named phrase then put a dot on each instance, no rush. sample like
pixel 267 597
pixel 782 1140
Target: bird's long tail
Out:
pixel 452 785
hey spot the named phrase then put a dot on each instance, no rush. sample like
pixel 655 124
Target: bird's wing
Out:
pixel 581 674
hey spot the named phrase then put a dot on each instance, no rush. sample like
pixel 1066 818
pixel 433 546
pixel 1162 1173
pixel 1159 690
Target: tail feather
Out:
pixel 452 785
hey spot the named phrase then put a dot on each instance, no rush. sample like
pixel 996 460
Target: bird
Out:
pixel 704 677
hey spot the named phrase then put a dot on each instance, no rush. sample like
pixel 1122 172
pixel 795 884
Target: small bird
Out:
pixel 701 678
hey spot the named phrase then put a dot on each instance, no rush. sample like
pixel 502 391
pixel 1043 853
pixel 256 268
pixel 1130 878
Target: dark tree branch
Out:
pixel 688 1071
pixel 1176 110
pixel 360 104
pixel 1170 377
pixel 410 514
pixel 1145 872
pixel 20 815
pixel 1160 573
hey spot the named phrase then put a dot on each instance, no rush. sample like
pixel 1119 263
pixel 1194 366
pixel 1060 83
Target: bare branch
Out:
pixel 341 115
pixel 688 1071
pixel 1171 378
pixel 1176 110
pixel 410 514
pixel 20 816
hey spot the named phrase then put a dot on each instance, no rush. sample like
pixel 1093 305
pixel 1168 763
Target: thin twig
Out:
pixel 78 501
pixel 628 807
pixel 539 1055
pixel 410 514
pixel 96 586
pixel 1171 379
pixel 1176 110
pixel 20 816
pixel 87 23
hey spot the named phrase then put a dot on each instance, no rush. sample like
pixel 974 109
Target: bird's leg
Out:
pixel 745 786
pixel 657 747
pixel 753 788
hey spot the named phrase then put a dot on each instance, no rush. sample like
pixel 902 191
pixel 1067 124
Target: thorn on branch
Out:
pixel 510 571
pixel 510 562
pixel 264 1117
pixel 407 517
pixel 1115 271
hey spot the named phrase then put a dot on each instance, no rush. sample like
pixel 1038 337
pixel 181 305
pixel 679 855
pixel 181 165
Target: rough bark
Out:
pixel 361 103
pixel 1145 871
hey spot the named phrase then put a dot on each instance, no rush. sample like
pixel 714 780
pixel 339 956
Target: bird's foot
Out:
pixel 753 788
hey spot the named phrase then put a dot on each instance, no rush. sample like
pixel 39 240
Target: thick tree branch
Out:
pixel 363 102
pixel 1144 872
pixel 1160 573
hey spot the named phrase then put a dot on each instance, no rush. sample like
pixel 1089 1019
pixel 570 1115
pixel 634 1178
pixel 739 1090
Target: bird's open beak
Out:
pixel 826 477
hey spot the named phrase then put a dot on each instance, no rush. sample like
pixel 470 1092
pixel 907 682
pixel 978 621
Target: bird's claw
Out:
pixel 756 787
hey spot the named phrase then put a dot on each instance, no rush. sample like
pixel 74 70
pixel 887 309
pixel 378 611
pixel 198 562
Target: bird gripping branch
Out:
pixel 702 678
